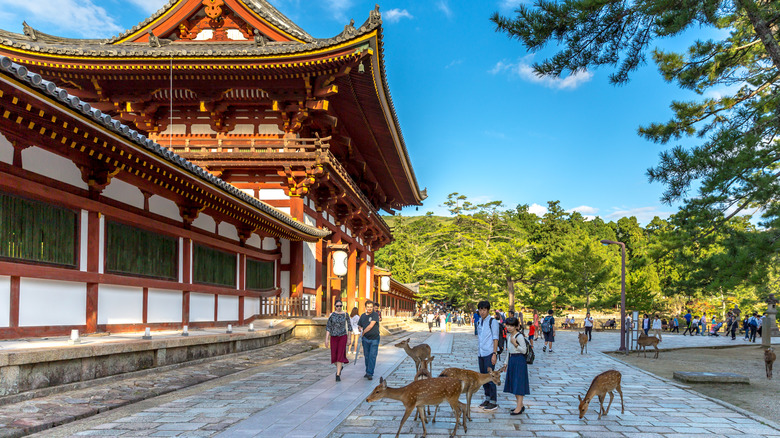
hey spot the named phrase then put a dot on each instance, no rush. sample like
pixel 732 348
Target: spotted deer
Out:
pixel 424 372
pixel 421 393
pixel 417 353
pixel 583 342
pixel 769 359
pixel 471 382
pixel 603 384
pixel 644 341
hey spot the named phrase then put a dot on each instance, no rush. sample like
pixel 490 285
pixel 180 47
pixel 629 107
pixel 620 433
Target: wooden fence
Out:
pixel 287 307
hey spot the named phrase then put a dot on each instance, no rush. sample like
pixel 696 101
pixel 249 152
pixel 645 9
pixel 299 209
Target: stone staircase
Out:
pixel 394 326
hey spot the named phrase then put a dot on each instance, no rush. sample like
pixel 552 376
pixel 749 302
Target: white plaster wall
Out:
pixel 251 307
pixel 201 129
pixel 124 192
pixel 227 308
pixel 285 251
pixel 250 192
pixel 52 165
pixel 5 301
pixel 269 129
pixel 120 304
pixel 51 302
pixel 205 222
pixel 269 243
pixel 368 281
pixel 255 241
pixel 6 150
pixel 272 195
pixel 201 307
pixel 228 230
pixel 165 306
pixel 285 284
pixel 83 240
pixel 164 207
pixel 175 129
pixel 285 210
pixel 243 128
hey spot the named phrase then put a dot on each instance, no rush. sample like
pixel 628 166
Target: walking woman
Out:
pixel 536 323
pixel 517 370
pixel 337 331
pixel 354 317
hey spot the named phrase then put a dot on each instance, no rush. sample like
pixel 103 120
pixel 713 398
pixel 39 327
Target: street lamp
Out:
pixel 622 291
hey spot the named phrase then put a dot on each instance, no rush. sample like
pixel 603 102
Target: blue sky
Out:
pixel 475 119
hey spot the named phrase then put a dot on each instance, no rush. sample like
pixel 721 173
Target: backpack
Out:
pixel 501 335
pixel 546 325
pixel 752 322
pixel 529 353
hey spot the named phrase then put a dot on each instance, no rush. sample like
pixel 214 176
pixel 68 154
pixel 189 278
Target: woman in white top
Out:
pixel 517 369
pixel 657 326
pixel 354 317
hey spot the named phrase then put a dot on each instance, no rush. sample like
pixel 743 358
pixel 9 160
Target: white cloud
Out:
pixel 339 8
pixel 80 18
pixel 395 15
pixel 537 209
pixel 444 6
pixel 643 214
pixel 523 69
pixel 495 134
pixel 454 63
pixel 510 5
pixel 149 6
pixel 586 211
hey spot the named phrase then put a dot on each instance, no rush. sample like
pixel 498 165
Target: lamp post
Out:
pixel 622 291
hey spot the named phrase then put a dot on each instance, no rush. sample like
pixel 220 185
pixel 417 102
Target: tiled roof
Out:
pixel 260 7
pixel 21 74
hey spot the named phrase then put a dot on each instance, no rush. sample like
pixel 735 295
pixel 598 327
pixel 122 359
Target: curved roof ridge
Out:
pixel 21 74
pixel 154 16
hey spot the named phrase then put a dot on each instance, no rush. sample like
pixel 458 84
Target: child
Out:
pixel 517 369
pixel 531 333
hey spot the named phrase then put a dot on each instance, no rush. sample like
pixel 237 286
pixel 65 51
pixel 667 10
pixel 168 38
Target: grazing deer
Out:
pixel 603 384
pixel 769 359
pixel 583 342
pixel 420 393
pixel 471 382
pixel 417 353
pixel 644 341
pixel 424 373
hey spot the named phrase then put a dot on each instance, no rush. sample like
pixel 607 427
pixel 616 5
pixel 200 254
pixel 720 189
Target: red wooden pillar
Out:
pixel 14 314
pixel 363 291
pixel 93 266
pixel 296 251
pixel 352 276
pixel 186 280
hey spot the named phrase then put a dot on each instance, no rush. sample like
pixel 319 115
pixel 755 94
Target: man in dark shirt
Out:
pixel 369 330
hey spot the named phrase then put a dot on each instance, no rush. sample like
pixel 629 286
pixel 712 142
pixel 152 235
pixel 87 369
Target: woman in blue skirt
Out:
pixel 517 370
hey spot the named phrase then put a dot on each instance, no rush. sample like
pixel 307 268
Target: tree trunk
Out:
pixel 510 290
pixel 762 29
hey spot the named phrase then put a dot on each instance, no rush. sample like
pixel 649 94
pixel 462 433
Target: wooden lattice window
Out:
pixel 212 266
pixel 259 275
pixel 37 232
pixel 131 250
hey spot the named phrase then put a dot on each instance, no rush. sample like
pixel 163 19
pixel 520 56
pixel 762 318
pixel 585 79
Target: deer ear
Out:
pixel 579 397
pixel 381 380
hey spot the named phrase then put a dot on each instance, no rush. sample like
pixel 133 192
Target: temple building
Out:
pixel 179 173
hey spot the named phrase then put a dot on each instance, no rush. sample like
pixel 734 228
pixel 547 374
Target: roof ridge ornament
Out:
pixel 155 41
pixel 375 17
pixel 260 40
pixel 349 30
pixel 29 31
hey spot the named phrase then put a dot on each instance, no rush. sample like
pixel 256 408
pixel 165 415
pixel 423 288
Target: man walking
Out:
pixel 588 324
pixel 487 347
pixel 369 331
pixel 476 321
pixel 688 328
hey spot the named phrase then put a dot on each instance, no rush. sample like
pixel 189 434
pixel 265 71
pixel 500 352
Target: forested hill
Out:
pixel 557 260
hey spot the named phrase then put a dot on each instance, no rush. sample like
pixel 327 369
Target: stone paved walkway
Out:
pixel 653 406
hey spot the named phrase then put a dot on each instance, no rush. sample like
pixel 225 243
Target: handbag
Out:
pixel 529 353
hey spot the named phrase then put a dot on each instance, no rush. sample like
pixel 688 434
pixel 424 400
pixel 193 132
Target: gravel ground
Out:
pixel 760 397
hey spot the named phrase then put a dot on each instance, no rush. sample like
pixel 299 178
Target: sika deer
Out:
pixel 603 384
pixel 471 382
pixel 583 342
pixel 420 393
pixel 417 353
pixel 645 341
pixel 769 359
pixel 424 373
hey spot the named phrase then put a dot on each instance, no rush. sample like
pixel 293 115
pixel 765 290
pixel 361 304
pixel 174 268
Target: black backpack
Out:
pixel 501 335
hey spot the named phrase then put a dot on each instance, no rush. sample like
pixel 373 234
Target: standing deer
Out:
pixel 420 393
pixel 644 341
pixel 424 373
pixel 603 384
pixel 417 353
pixel 471 382
pixel 769 359
pixel 583 342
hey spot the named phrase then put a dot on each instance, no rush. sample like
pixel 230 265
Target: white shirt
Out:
pixel 521 347
pixel 656 324
pixel 589 321
pixel 486 332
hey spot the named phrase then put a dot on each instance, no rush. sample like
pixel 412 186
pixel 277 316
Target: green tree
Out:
pixel 734 167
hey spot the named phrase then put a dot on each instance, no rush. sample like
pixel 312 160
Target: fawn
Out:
pixel 644 341
pixel 583 342
pixel 769 359
pixel 471 382
pixel 424 373
pixel 417 353
pixel 603 384
pixel 420 393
